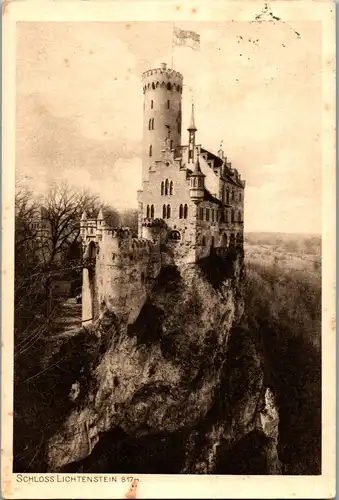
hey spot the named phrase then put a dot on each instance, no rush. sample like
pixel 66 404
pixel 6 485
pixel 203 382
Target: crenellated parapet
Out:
pixel 162 77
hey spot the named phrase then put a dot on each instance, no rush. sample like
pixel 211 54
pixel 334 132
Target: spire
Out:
pixel 192 127
pixel 84 215
pixel 197 170
pixel 101 214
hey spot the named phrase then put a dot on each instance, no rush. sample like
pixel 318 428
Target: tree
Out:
pixel 63 207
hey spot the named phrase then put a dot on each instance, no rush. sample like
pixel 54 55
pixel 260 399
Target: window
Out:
pixel 151 104
pixel 239 216
pixel 223 194
pixel 153 85
pixel 240 196
pixel 171 144
pixel 201 213
pixel 164 211
pixel 203 241
pixel 166 187
pixel 232 194
pixel 150 150
pixel 152 211
pixel 190 154
pixel 168 104
pixel 162 188
pixel 212 215
pixel 227 196
pixel 169 86
pixel 171 187
pixel 185 211
pixel 226 215
pixel 174 235
pixel 147 212
pixel 168 212
pixel 232 215
pixel 152 123
pixel 181 212
pixel 179 126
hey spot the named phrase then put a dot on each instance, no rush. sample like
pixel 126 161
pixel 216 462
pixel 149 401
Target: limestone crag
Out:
pixel 180 373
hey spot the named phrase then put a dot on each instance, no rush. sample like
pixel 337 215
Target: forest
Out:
pixel 283 310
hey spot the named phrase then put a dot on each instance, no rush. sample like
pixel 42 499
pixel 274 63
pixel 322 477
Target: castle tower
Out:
pixel 191 137
pixel 197 184
pixel 162 88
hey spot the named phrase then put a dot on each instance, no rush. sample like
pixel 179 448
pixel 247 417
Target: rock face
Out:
pixel 179 391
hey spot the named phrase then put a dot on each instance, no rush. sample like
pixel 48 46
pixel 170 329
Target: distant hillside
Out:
pixel 298 252
pixel 309 244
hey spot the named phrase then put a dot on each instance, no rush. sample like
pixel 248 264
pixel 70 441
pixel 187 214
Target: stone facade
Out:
pixel 191 204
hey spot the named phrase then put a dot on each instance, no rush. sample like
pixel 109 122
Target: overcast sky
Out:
pixel 256 86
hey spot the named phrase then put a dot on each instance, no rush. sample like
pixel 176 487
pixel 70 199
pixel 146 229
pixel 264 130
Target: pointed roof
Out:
pixel 197 170
pixel 192 126
pixel 101 214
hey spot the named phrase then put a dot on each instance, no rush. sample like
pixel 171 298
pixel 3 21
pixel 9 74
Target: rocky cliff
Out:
pixel 179 391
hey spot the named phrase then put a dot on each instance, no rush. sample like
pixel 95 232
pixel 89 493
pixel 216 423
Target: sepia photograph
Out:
pixel 168 247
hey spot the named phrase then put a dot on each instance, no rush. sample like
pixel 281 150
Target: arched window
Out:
pixel 201 213
pixel 185 211
pixel 153 85
pixel 174 235
pixel 151 104
pixel 226 215
pixel 162 188
pixel 168 212
pixel 212 215
pixel 166 187
pixel 232 240
pixel 239 216
pixel 149 124
pixel 171 188
pixel 150 150
pixel 181 212
pixel 152 211
pixel 152 123
pixel 232 194
pixel 240 196
pixel 227 196
pixel 169 86
pixel 232 215
pixel 164 211
pixel 168 104
pixel 147 212
pixel 207 214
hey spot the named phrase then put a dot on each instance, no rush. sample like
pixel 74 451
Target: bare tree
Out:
pixel 63 207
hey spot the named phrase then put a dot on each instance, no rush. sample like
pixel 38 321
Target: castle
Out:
pixel 191 204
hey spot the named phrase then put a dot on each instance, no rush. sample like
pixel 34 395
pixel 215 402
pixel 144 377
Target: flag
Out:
pixel 186 38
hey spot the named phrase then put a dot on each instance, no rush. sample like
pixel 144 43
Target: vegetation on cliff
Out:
pixel 283 311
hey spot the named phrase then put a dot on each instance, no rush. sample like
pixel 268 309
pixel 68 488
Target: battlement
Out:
pixel 148 222
pixel 162 77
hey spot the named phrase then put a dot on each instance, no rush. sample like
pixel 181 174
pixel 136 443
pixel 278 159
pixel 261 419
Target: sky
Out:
pixel 256 87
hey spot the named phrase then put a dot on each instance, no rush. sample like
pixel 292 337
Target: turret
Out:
pixel 83 222
pixel 191 137
pixel 162 88
pixel 197 184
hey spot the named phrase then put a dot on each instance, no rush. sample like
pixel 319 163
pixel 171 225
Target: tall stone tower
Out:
pixel 162 88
